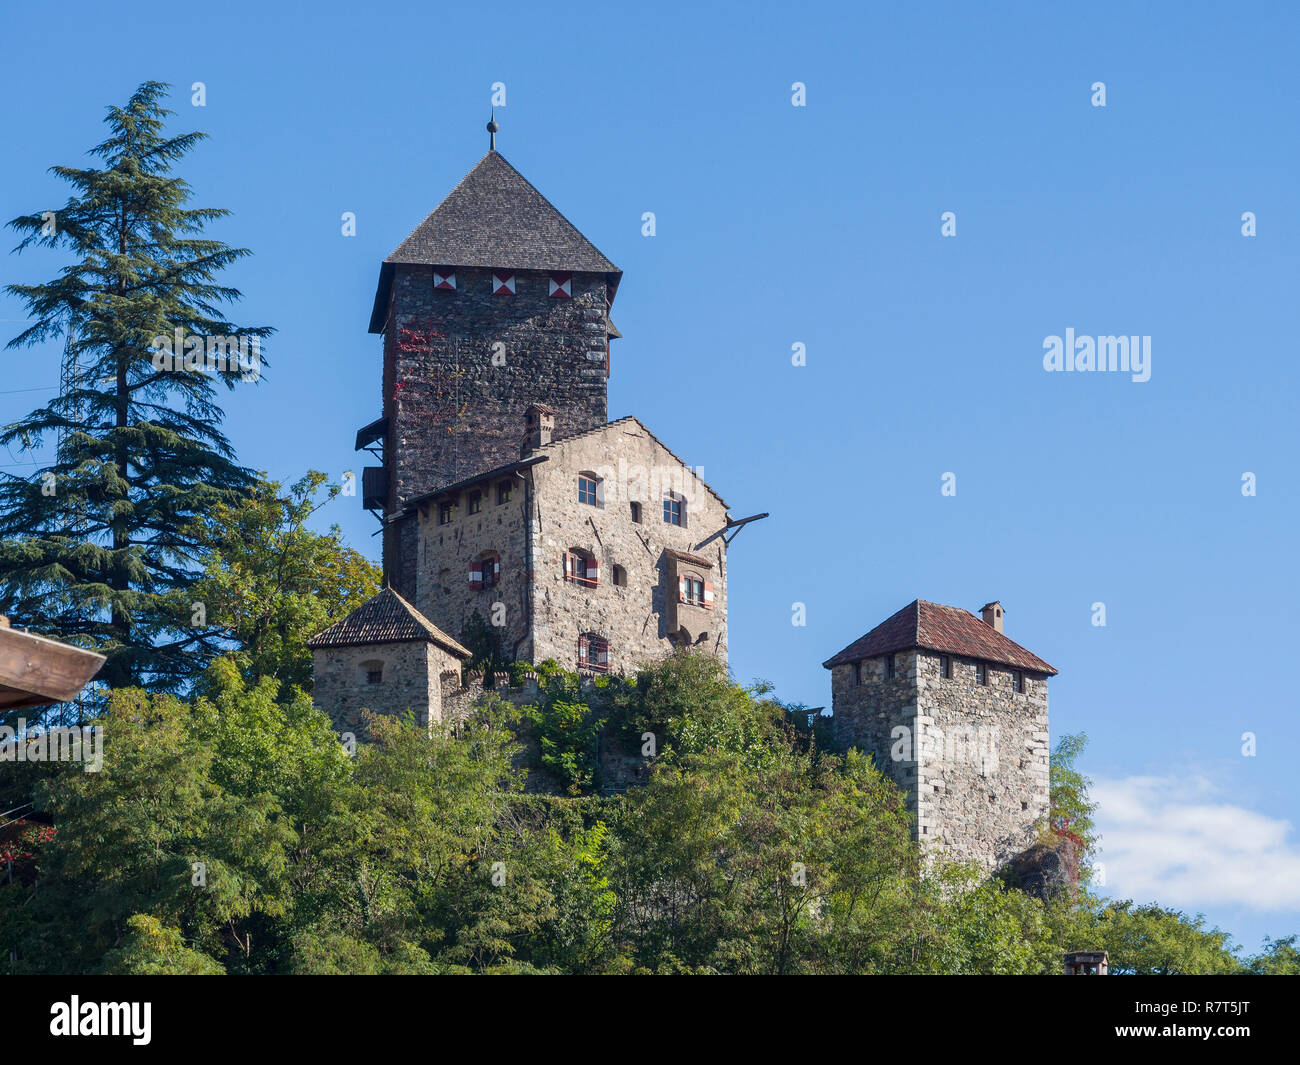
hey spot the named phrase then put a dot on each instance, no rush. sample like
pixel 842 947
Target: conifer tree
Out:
pixel 96 548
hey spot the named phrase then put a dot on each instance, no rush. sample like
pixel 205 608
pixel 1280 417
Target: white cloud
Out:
pixel 1173 840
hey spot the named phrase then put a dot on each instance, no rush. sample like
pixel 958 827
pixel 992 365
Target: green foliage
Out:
pixel 232 833
pixel 150 949
pixel 1280 957
pixel 1071 810
pixel 95 547
pixel 271 583
pixel 1149 940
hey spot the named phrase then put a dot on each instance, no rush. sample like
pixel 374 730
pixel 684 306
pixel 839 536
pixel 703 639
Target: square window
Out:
pixel 673 511
pixel 374 676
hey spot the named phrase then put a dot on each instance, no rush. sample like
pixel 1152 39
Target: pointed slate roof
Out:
pixel 946 629
pixel 385 618
pixel 494 217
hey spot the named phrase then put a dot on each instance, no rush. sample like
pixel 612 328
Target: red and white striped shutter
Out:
pixel 476 575
pixel 708 595
pixel 496 566
pixel 503 283
pixel 582 650
pixel 568 566
pixel 593 571
pixel 446 281
pixel 681 589
pixel 561 286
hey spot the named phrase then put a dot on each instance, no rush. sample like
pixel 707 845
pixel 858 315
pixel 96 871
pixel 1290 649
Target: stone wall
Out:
pixel 866 714
pixel 443 592
pixel 985 783
pixel 452 411
pixel 411 680
pixel 976 773
pixel 635 618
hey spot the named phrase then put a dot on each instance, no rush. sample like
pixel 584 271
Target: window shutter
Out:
pixel 582 650
pixel 568 566
pixel 476 575
pixel 496 565
pixel 560 286
pixel 445 281
pixel 708 595
pixel 503 283
pixel 593 571
pixel 681 589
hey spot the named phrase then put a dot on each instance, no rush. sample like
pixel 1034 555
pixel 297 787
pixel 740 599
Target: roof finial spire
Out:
pixel 492 128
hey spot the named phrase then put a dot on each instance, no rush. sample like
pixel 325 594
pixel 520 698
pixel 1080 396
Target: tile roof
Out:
pixel 694 560
pixel 385 618
pixel 947 629
pixel 494 217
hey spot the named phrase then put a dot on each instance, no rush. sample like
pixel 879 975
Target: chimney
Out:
pixel 992 615
pixel 541 424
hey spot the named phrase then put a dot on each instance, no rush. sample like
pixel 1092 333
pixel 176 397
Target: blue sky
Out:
pixel 820 225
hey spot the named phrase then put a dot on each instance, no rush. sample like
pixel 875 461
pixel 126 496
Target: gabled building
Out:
pixel 955 712
pixel 514 512
pixel 387 658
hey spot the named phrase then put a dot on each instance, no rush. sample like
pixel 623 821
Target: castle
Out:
pixel 515 514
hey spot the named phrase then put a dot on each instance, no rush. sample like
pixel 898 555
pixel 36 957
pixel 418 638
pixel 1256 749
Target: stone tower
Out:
pixel 494 303
pixel 956 714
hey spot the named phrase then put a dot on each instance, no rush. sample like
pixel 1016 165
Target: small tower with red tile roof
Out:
pixel 955 713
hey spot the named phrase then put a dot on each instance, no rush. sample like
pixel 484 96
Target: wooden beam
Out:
pixel 35 671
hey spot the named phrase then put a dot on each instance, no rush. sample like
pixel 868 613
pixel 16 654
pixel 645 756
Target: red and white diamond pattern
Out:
pixel 503 283
pixel 561 286
pixel 445 281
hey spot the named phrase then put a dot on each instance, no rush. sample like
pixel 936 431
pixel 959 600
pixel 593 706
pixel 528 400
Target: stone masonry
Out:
pixel 635 602
pixel 969 749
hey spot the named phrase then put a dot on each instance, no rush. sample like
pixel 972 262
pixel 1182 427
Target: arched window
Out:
pixel 485 571
pixel 372 671
pixel 581 567
pixel 593 652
